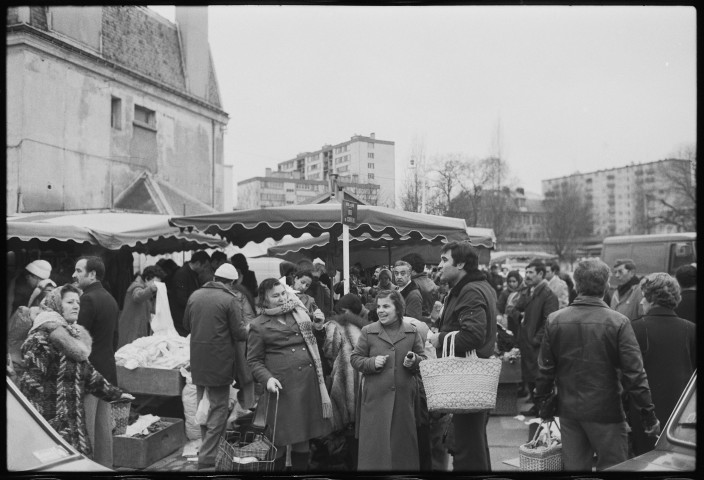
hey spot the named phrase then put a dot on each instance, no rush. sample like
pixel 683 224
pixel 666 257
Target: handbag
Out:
pixel 543 453
pixel 460 385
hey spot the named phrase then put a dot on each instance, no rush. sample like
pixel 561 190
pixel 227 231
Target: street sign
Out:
pixel 349 213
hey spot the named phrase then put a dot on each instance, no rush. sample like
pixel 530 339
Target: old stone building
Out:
pixel 113 108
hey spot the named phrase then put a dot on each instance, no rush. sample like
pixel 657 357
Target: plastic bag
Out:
pixel 203 409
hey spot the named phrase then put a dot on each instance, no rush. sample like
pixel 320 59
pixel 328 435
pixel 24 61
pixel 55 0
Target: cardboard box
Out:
pixel 150 381
pixel 140 452
pixel 511 372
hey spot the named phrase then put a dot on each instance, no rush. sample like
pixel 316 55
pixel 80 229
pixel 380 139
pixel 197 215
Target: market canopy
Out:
pixel 256 225
pixel 143 233
pixel 369 251
pixel 520 256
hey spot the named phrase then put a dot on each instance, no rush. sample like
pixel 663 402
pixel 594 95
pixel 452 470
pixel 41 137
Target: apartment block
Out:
pixel 361 160
pixel 626 200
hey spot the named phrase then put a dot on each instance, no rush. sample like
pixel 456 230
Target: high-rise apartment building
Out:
pixel 360 160
pixel 628 200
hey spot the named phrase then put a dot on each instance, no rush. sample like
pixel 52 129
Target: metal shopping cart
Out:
pixel 249 448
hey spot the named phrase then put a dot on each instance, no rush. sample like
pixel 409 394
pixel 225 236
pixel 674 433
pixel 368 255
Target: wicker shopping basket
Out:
pixel 460 385
pixel 119 415
pixel 248 449
pixel 543 453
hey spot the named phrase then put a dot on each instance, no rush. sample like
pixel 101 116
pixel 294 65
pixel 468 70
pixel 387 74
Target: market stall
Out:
pixel 371 251
pixel 372 222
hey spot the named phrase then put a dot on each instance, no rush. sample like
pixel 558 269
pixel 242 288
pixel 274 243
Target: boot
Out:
pixel 299 461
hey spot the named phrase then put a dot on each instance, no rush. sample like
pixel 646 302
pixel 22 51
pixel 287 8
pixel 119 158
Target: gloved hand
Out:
pixel 653 430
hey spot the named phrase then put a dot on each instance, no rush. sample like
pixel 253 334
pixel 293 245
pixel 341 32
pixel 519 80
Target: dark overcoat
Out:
pixel 279 351
pixel 535 308
pixel 214 317
pixel 386 425
pixel 669 348
pixel 98 314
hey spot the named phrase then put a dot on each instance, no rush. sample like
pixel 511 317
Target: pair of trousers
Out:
pixel 438 453
pixel 215 426
pixel 580 440
pixel 99 429
pixel 471 445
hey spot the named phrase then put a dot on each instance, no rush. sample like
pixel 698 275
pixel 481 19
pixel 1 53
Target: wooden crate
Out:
pixel 150 381
pixel 140 452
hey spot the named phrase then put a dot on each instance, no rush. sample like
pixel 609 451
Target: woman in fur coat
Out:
pixel 58 373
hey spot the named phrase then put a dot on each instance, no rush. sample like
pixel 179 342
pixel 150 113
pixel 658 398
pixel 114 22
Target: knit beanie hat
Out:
pixel 40 268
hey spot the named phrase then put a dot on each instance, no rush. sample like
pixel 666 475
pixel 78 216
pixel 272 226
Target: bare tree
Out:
pixel 450 169
pixel 497 207
pixel 567 220
pixel 680 205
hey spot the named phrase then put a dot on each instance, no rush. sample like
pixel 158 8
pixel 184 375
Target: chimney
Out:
pixel 373 135
pixel 267 172
pixel 193 28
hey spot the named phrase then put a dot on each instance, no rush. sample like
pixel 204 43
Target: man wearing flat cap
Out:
pixel 214 317
pixel 22 285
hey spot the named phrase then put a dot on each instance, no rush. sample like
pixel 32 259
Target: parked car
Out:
pixel 33 445
pixel 676 448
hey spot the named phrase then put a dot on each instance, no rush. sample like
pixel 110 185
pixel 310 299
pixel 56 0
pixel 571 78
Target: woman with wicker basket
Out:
pixel 387 354
pixel 283 355
pixel 58 373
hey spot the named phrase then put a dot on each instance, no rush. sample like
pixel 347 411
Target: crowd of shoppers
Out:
pixel 617 349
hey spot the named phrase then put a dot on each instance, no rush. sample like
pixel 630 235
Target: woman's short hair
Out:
pixel 69 287
pixel 591 277
pixel 304 273
pixel 661 289
pixel 153 271
pixel 396 298
pixel 264 287
pixel 515 274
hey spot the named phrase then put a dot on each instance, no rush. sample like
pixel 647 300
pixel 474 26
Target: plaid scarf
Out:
pixel 294 306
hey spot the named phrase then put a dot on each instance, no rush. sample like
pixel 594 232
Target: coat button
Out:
pixel 392 349
pixel 304 349
pixel 299 368
pixel 310 364
pixel 293 349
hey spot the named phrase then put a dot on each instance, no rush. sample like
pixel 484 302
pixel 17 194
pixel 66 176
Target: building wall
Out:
pixel 624 200
pixel 362 159
pixel 63 153
pixel 272 191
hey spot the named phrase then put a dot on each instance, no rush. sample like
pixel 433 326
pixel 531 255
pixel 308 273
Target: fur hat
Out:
pixel 350 301
pixel 227 271
pixel 40 268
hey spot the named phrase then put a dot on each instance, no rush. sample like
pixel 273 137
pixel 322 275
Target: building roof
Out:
pixel 150 194
pixel 139 40
pixel 327 198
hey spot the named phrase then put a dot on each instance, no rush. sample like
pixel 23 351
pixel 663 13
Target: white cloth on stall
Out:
pixel 162 323
pixel 155 352
pixel 141 425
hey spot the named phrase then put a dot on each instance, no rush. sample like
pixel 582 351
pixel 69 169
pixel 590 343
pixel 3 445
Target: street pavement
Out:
pixel 505 434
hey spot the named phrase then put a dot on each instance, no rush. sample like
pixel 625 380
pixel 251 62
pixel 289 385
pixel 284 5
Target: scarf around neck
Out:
pixel 299 312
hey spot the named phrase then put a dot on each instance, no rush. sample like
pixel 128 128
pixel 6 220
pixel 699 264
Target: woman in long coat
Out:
pixel 139 306
pixel 386 426
pixel 669 347
pixel 283 355
pixel 58 373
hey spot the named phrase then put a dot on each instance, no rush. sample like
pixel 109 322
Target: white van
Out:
pixel 664 252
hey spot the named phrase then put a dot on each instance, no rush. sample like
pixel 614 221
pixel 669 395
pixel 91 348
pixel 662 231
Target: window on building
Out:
pixel 370 145
pixel 370 166
pixel 370 176
pixel 116 113
pixel 144 117
pixel 370 155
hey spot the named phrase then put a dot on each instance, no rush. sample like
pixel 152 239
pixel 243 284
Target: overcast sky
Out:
pixel 568 88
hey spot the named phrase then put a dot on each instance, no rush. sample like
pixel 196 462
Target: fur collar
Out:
pixel 77 348
pixel 348 318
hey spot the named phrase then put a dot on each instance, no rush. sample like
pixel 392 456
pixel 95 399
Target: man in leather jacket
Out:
pixel 590 353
